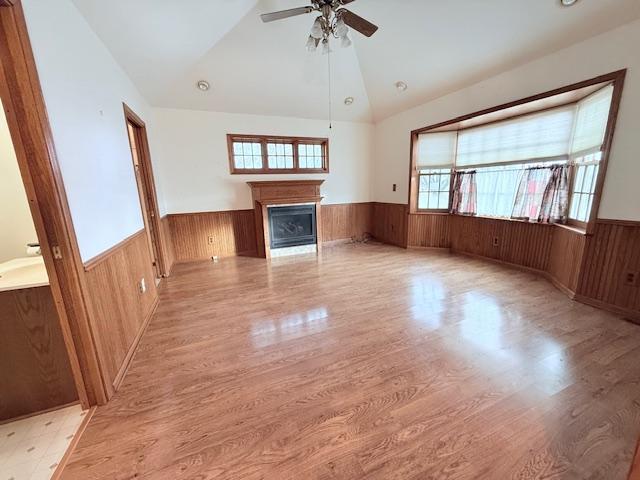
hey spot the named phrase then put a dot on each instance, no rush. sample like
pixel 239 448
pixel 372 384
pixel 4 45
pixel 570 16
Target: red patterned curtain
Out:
pixel 465 196
pixel 555 200
pixel 542 195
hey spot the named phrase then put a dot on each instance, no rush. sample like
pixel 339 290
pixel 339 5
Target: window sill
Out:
pixel 430 212
pixel 572 228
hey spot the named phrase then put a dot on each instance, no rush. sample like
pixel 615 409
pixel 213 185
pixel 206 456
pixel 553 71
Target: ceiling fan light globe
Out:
pixel 312 44
pixel 316 29
pixel 341 29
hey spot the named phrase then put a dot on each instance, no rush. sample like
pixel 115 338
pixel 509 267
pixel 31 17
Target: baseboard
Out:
pixel 132 350
pixel 553 280
pixel 57 474
pixel 632 315
pixel 559 285
pixel 441 249
pixel 501 262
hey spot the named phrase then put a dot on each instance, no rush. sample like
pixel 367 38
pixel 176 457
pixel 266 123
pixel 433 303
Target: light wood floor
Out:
pixel 371 362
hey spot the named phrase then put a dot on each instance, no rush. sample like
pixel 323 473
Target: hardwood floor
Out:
pixel 370 362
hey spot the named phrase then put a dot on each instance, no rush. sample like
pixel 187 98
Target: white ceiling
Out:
pixel 435 46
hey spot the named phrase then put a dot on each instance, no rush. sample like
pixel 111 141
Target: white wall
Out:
pixel 16 223
pixel 192 160
pixel 605 53
pixel 84 89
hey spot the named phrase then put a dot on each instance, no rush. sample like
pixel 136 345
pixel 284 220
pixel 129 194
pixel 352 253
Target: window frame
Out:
pixel 435 210
pixel 616 78
pixel 263 140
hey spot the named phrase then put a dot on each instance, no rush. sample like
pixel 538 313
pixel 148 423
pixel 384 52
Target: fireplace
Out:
pixel 292 226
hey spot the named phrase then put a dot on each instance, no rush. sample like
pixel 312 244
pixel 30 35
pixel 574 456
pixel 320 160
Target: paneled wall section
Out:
pixel 346 221
pixel 199 236
pixel 612 254
pixel 429 231
pixel 119 310
pixel 520 243
pixel 390 223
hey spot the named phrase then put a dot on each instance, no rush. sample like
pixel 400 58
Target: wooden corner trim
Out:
pixel 101 257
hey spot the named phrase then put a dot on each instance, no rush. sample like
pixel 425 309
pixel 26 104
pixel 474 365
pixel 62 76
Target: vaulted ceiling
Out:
pixel 435 46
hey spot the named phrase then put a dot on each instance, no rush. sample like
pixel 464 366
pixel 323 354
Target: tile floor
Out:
pixel 31 448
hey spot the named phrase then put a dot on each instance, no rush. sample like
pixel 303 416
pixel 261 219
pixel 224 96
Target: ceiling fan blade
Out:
pixel 292 12
pixel 358 23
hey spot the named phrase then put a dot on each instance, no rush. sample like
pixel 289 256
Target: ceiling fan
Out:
pixel 334 20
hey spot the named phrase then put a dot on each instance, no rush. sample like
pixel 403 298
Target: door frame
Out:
pixel 154 233
pixel 33 142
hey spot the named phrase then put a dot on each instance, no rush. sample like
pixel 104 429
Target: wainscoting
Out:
pixel 200 236
pixel 565 259
pixel 429 231
pixel 347 220
pixel 519 243
pixel 119 310
pixel 390 223
pixel 612 252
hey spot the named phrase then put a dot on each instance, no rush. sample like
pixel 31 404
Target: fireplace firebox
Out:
pixel 292 225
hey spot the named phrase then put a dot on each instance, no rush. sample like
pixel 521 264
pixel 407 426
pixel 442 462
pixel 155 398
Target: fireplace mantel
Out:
pixel 273 193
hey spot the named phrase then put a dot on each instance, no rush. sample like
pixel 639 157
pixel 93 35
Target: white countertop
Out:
pixel 19 273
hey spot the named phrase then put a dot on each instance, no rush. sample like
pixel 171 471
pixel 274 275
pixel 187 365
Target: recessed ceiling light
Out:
pixel 568 3
pixel 203 85
pixel 401 86
pixel 348 101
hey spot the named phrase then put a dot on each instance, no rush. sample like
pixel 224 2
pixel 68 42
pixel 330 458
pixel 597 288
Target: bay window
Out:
pixel 541 164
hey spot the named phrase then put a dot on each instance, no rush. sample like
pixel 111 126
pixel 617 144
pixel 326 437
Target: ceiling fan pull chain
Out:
pixel 329 68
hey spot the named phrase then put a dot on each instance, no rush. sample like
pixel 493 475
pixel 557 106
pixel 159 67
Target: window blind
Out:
pixel 592 116
pixel 436 150
pixel 529 138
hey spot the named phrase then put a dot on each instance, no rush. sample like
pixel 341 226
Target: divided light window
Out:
pixel 258 154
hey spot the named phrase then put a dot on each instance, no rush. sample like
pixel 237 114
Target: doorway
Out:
pixel 141 158
pixel 30 133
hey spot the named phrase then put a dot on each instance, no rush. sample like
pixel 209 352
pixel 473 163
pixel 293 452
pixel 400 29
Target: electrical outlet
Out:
pixel 395 187
pixel 496 241
pixel 632 278
pixel 142 286
pixel 210 239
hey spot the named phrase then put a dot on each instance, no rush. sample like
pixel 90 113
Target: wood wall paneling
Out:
pixel 611 253
pixel 390 223
pixel 35 373
pixel 519 243
pixel 429 231
pixel 565 259
pixel 119 311
pixel 347 221
pixel 232 233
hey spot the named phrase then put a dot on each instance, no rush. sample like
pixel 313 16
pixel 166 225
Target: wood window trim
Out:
pixel 616 78
pixel 263 140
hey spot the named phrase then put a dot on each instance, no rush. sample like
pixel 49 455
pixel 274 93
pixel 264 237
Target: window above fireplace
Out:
pixel 260 154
